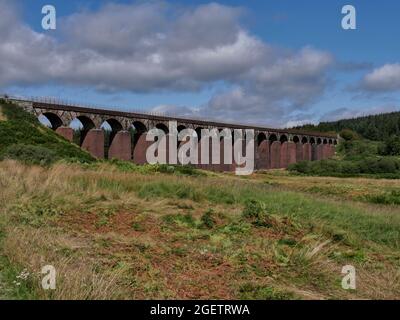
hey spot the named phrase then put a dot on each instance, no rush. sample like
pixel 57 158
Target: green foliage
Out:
pixel 23 128
pixel 374 127
pixel 207 219
pixel 392 198
pixel 348 135
pixel 342 168
pixel 391 147
pixel 180 219
pixel 358 157
pixel 358 149
pixel 127 166
pixel 256 212
pixel 29 154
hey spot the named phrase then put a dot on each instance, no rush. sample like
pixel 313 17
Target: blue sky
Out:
pixel 294 62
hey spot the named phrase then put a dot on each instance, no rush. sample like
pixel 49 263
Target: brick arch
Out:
pixel 283 138
pixel 261 137
pixel 162 126
pixel 54 119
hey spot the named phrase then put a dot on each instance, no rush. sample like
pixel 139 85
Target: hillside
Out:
pixel 374 127
pixel 23 137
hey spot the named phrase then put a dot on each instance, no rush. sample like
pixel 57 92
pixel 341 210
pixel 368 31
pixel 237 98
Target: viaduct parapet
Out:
pixel 274 148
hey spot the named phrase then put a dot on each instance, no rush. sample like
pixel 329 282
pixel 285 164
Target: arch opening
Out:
pixel 319 141
pixel 304 140
pixel 272 138
pixel 162 127
pixel 110 127
pixel 50 120
pixel 296 139
pixel 82 125
pixel 261 137
pixel 312 140
pixel 283 138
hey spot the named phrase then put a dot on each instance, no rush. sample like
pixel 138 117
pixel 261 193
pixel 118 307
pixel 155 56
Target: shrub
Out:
pixel 392 197
pixel 348 135
pixel 391 147
pixel 30 154
pixel 207 219
pixel 256 211
pixel 331 167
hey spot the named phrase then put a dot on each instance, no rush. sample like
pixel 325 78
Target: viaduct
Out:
pixel 274 148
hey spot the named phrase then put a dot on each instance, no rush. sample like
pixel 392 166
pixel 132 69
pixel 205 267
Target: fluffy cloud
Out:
pixel 383 79
pixel 154 47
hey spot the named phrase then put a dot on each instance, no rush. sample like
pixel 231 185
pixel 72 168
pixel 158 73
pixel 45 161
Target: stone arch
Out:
pixel 319 141
pixel 325 141
pixel 283 138
pixel 115 127
pixel 296 139
pixel 330 141
pixel 312 140
pixel 304 140
pixel 55 121
pixel 162 127
pixel 87 125
pixel 261 137
pixel 272 138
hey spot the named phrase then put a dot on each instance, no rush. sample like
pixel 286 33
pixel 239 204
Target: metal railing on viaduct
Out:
pixel 274 148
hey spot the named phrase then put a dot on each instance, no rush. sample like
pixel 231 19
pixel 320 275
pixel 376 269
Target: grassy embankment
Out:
pixel 115 230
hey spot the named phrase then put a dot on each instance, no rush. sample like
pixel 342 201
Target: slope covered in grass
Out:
pixel 23 137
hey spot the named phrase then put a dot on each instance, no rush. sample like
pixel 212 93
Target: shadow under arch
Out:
pixel 54 119
pixel 87 125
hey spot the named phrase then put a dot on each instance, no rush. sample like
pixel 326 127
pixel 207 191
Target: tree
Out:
pixel 391 146
pixel 348 135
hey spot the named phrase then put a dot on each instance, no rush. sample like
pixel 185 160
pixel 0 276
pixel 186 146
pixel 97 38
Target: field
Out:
pixel 116 231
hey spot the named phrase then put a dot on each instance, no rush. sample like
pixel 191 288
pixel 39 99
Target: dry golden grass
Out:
pixel 109 238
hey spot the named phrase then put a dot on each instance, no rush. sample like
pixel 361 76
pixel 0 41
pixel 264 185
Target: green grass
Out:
pixel 22 128
pixel 335 216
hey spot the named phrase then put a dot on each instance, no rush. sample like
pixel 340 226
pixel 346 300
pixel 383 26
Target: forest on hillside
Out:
pixel 374 127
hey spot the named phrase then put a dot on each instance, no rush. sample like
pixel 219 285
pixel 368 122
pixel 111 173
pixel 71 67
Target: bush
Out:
pixel 207 219
pixel 376 165
pixel 391 147
pixel 392 197
pixel 348 135
pixel 30 154
pixel 256 211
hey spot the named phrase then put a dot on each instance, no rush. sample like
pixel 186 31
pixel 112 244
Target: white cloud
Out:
pixel 154 47
pixel 383 79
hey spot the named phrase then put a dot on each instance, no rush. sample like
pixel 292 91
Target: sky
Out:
pixel 275 63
